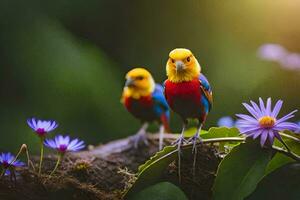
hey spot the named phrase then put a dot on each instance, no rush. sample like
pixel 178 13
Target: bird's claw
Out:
pixel 139 138
pixel 179 141
pixel 194 141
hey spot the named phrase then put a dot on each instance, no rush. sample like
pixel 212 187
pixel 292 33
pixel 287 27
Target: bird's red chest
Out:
pixel 141 108
pixel 143 102
pixel 189 91
pixel 185 97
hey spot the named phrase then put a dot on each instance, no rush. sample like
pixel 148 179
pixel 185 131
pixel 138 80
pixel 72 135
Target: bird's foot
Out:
pixel 179 141
pixel 139 139
pixel 194 141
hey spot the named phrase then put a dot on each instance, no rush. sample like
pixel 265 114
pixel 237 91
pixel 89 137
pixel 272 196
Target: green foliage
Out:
pixel 282 183
pixel 218 132
pixel 160 191
pixel 240 171
pixel 151 172
pixel 279 159
pixel 158 155
pixel 191 131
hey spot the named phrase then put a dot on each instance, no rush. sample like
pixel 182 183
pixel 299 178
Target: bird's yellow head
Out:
pixel 139 82
pixel 182 66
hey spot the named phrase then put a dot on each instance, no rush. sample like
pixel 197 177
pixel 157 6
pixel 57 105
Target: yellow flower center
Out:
pixel 267 121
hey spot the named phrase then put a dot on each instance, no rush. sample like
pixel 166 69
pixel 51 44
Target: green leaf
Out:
pixel 279 159
pixel 291 134
pixel 240 171
pixel 160 191
pixel 191 132
pixel 154 158
pixel 218 132
pixel 152 171
pixel 282 183
pixel 214 132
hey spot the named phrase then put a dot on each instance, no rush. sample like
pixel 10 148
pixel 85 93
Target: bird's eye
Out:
pixel 139 78
pixel 173 61
pixel 188 59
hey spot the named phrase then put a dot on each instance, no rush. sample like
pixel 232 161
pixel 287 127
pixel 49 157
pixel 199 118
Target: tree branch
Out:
pixel 287 153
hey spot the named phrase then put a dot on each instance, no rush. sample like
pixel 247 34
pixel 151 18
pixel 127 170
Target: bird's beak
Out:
pixel 179 66
pixel 129 82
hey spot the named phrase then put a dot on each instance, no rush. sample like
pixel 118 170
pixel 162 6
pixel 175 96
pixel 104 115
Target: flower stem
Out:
pixel 215 140
pixel 29 162
pixel 239 139
pixel 285 145
pixel 289 137
pixel 57 164
pixel 23 147
pixel 42 155
pixel 287 153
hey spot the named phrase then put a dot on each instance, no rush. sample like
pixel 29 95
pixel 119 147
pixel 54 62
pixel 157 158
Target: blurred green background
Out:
pixel 66 59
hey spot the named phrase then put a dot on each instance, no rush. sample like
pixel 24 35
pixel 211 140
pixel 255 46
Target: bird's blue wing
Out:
pixel 207 91
pixel 205 83
pixel 160 101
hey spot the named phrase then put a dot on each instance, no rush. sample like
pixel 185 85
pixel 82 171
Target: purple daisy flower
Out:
pixel 264 122
pixel 42 127
pixel 6 162
pixel 226 121
pixel 64 144
pixel 298 131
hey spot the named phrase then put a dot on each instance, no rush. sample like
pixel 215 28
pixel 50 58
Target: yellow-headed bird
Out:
pixel 145 100
pixel 187 92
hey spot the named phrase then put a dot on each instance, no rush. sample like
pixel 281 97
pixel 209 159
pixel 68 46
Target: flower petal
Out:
pixel 286 117
pixel 271 137
pixel 246 117
pixel 286 126
pixel 256 108
pixel 277 108
pixel 247 130
pixel 251 110
pixel 258 133
pixel 268 107
pixel 262 106
pixel 263 137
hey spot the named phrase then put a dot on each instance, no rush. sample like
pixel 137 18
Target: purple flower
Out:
pixel 6 162
pixel 42 127
pixel 226 121
pixel 264 122
pixel 298 131
pixel 272 52
pixel 63 144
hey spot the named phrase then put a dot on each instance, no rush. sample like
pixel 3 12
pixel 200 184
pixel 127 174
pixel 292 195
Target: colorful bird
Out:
pixel 145 100
pixel 187 92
